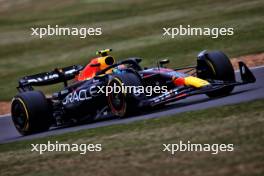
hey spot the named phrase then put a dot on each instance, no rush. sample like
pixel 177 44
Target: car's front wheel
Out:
pixel 216 65
pixel 124 102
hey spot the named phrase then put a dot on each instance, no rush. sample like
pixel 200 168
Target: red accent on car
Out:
pixel 89 71
pixel 179 81
pixel 182 95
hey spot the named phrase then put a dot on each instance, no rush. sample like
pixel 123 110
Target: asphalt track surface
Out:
pixel 242 93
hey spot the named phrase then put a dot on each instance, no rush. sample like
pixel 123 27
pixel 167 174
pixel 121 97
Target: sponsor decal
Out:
pixel 80 95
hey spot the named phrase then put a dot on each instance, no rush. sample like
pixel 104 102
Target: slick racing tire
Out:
pixel 31 112
pixel 122 103
pixel 218 67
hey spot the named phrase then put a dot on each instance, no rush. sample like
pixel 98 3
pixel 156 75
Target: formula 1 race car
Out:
pixel 87 96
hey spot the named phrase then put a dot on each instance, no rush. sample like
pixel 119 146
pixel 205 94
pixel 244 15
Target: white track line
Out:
pixel 4 115
pixel 253 68
pixel 257 67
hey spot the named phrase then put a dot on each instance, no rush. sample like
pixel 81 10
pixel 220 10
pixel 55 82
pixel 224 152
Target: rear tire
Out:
pixel 216 65
pixel 31 112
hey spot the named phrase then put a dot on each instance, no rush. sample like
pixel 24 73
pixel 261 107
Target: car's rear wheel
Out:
pixel 31 112
pixel 216 65
pixel 123 103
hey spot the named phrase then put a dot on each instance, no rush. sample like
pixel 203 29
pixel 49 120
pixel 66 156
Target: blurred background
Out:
pixel 130 28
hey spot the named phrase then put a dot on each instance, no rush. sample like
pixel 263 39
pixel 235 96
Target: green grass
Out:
pixel 131 28
pixel 136 148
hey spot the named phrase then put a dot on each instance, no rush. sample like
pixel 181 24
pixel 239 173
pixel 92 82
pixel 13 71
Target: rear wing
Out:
pixel 49 78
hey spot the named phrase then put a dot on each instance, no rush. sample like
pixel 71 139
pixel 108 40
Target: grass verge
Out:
pixel 136 148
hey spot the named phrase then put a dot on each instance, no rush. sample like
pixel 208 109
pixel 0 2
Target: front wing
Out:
pixel 182 92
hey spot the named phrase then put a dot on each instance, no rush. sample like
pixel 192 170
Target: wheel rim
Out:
pixel 116 100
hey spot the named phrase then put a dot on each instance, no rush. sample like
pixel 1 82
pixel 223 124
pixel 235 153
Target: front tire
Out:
pixel 123 103
pixel 216 65
pixel 31 112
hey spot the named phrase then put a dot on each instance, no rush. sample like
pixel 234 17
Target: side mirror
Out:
pixel 164 61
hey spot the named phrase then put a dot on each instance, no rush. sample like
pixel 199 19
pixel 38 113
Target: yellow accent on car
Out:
pixel 195 82
pixel 103 52
pixel 211 65
pixel 120 83
pixel 103 63
pixel 25 108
